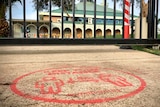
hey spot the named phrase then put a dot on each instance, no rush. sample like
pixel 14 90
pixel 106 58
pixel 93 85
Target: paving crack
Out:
pixel 7 83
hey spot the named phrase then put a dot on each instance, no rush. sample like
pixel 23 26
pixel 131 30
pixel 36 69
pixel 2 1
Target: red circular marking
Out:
pixel 99 100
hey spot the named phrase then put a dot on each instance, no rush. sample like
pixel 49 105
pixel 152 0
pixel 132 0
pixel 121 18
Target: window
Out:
pixel 109 21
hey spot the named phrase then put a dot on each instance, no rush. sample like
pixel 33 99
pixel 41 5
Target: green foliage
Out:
pixel 3 7
pixel 6 2
pixel 44 4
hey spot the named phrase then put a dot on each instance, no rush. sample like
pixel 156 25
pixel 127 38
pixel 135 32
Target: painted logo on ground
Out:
pixel 78 84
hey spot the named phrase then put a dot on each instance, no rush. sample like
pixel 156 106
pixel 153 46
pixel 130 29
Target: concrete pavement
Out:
pixel 78 76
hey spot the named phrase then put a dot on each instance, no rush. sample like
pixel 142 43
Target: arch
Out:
pixel 89 33
pixel 18 30
pixel 44 25
pixel 118 32
pixel 32 31
pixel 55 32
pixel 79 33
pixel 98 32
pixel 67 33
pixel 108 32
pixel 31 25
pixel 44 32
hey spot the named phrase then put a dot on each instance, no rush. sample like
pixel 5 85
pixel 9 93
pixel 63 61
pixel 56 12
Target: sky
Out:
pixel 17 9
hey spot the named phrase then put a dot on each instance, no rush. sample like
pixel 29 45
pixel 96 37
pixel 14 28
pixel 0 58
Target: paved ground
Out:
pixel 78 76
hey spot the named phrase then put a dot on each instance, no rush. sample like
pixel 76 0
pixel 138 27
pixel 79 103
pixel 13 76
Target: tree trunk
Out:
pixel 4 27
pixel 144 8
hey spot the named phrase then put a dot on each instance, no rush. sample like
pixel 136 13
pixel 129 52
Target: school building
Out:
pixel 44 27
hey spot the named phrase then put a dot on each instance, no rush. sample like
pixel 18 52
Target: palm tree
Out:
pixel 43 4
pixel 4 27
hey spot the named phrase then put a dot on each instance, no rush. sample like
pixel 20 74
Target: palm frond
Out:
pixel 44 4
pixel 12 1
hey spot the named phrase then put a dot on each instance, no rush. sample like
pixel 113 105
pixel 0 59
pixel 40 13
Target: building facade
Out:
pixel 68 25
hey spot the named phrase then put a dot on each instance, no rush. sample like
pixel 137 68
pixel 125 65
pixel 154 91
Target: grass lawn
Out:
pixel 116 37
pixel 158 36
pixel 147 49
pixel 107 37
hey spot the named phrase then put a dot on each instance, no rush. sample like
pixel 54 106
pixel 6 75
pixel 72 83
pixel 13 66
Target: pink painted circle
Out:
pixel 78 85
